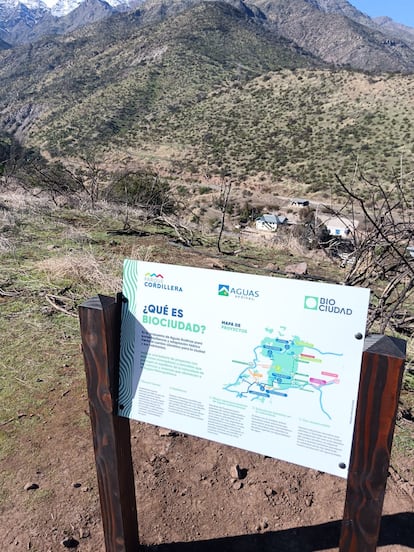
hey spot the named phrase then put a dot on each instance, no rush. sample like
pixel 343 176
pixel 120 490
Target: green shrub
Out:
pixel 204 190
pixel 144 189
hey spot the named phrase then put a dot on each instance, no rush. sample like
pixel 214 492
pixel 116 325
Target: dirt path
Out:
pixel 190 496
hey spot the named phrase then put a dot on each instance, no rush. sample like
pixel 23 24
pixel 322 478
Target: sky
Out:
pixel 402 11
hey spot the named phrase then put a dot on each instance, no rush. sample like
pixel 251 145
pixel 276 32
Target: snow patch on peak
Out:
pixel 60 8
pixel 35 4
pixel 63 7
pixel 9 3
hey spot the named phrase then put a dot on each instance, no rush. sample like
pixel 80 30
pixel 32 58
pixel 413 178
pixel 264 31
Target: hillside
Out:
pixel 208 87
pixel 202 87
pixel 386 24
pixel 192 107
pixel 334 30
pixel 122 70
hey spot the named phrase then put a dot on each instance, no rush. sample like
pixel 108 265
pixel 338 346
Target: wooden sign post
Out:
pixel 100 322
pixel 379 390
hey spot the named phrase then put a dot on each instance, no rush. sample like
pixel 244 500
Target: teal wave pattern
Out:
pixel 128 323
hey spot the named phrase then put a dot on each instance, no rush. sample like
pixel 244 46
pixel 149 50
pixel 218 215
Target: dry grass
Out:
pixel 143 253
pixel 22 201
pixel 280 242
pixel 86 270
pixel 5 245
pixel 7 219
pixel 82 268
pixel 77 235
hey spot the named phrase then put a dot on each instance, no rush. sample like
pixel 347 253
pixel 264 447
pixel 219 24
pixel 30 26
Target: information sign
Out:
pixel 269 365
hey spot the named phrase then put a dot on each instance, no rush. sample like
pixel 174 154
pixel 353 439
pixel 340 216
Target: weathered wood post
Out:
pixel 100 322
pixel 379 390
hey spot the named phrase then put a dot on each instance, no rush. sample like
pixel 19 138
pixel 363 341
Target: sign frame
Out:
pixel 379 390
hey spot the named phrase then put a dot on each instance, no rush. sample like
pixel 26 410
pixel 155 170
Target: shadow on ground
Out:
pixel 396 529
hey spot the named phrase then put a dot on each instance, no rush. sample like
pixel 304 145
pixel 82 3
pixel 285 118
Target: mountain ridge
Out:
pixel 28 20
pixel 336 38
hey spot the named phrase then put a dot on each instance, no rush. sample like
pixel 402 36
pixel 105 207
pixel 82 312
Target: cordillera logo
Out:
pixel 238 293
pixel 325 304
pixel 157 281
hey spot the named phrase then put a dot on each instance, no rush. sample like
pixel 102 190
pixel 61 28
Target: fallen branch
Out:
pixel 51 299
pixel 8 293
pixel 183 233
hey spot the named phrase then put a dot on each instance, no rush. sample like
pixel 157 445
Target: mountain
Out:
pixel 17 20
pixel 20 24
pixel 397 30
pixel 341 7
pixel 208 88
pixel 336 32
pixel 87 12
pixel 384 24
pixel 333 30
pixel 105 80
pixel 65 7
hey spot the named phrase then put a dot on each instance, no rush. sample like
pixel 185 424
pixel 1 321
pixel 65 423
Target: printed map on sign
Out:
pixel 281 364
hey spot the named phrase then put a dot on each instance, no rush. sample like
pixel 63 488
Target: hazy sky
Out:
pixel 401 11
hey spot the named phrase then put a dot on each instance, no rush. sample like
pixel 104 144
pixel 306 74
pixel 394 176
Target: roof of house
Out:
pixel 272 219
pixel 339 222
pixel 300 201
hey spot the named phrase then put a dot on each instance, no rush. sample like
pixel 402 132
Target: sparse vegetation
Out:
pixel 166 148
pixel 145 190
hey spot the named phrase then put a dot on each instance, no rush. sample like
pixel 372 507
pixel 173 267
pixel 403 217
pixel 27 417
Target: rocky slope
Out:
pixel 333 30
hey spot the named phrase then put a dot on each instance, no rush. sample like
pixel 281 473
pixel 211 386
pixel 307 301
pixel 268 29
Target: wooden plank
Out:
pixel 100 322
pixel 379 391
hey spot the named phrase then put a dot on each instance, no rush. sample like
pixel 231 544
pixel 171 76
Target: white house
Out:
pixel 342 227
pixel 270 222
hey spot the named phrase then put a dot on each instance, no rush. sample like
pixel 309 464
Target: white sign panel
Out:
pixel 265 364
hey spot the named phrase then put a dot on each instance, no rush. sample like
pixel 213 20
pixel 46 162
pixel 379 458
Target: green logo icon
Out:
pixel 224 290
pixel 311 302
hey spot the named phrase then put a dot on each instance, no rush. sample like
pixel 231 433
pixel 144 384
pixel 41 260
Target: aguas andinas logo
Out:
pixel 157 281
pixel 224 290
pixel 325 305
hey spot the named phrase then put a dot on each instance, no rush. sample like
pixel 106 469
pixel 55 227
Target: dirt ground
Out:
pixel 190 495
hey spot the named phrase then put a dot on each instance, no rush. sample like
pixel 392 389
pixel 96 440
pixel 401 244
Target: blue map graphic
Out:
pixel 283 364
